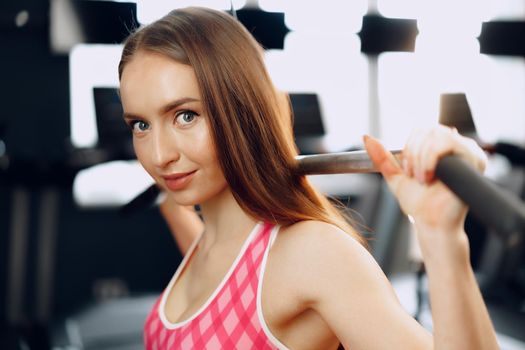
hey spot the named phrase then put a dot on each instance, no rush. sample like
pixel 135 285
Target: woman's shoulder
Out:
pixel 315 253
pixel 318 246
pixel 317 237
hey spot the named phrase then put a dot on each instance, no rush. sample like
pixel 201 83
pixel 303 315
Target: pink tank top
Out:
pixel 232 317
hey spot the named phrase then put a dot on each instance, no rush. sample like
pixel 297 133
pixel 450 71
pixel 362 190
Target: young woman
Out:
pixel 276 265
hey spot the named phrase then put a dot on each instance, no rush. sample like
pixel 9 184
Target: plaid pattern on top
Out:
pixel 230 320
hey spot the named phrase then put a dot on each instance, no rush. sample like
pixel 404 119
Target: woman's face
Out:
pixel 171 136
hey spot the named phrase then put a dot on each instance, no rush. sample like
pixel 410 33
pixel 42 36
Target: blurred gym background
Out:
pixel 79 272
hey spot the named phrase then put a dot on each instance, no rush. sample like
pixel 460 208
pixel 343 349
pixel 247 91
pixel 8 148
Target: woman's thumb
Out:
pixel 383 160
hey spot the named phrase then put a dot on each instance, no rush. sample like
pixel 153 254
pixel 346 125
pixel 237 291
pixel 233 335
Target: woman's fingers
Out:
pixel 425 148
pixel 430 203
pixel 479 156
pixel 387 164
pixel 423 151
pixel 384 161
pixel 410 151
pixel 437 144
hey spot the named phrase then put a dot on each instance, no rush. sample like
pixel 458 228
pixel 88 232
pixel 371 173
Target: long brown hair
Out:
pixel 251 126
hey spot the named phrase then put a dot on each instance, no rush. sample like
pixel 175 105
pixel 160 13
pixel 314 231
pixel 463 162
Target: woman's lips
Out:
pixel 178 181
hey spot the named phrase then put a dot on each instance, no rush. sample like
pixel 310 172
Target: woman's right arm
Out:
pixel 460 317
pixel 184 223
pixel 347 288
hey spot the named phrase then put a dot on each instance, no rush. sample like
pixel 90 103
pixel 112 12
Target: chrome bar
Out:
pixel 339 163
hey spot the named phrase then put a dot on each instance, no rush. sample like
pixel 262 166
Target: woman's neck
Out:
pixel 224 221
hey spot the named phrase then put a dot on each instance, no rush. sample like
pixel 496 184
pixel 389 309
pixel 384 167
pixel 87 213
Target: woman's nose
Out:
pixel 165 148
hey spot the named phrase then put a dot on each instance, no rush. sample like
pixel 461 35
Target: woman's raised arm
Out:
pixel 460 317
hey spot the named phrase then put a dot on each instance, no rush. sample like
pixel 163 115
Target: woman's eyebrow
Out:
pixel 130 116
pixel 174 104
pixel 166 108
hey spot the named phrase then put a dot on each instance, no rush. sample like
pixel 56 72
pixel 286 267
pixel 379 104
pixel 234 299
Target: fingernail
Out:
pixel 420 176
pixel 429 175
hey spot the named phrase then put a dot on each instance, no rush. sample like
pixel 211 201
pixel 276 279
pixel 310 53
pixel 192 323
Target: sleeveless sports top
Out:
pixel 232 316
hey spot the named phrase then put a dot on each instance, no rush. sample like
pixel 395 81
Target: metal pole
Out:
pixel 339 163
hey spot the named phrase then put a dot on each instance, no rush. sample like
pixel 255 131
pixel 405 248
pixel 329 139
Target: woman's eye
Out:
pixel 186 117
pixel 139 126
